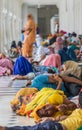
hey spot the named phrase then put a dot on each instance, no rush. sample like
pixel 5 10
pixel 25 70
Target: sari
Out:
pixel 22 66
pixel 29 38
pixel 53 60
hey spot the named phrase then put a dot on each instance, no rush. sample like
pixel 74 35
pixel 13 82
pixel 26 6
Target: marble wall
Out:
pixel 10 23
pixel 70 13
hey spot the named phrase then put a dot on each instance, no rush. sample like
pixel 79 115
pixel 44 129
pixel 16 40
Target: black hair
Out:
pixel 65 43
pixel 13 44
pixel 80 99
pixel 52 40
pixel 51 71
pixel 20 44
pixel 34 62
pixel 74 34
pixel 22 31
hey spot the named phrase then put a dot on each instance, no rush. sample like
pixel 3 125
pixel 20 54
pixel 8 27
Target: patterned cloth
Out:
pixel 5 64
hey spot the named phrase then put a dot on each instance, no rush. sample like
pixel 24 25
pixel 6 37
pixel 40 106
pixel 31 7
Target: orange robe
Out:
pixel 29 36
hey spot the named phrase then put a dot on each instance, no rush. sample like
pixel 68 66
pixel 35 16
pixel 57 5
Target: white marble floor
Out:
pixel 8 88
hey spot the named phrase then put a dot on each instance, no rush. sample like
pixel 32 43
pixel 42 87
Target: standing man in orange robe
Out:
pixel 29 36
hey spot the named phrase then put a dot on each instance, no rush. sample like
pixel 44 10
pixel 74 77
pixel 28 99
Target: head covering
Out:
pixel 69 34
pixel 31 75
pixel 59 40
pixel 36 116
pixel 74 34
pixel 13 44
pixel 19 44
pixel 62 31
pixel 55 99
pixel 74 39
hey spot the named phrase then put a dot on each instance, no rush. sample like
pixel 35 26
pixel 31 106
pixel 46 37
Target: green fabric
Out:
pixel 80 128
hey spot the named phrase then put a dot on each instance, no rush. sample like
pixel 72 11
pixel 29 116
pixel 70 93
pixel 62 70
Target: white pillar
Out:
pixel 70 15
pixel 78 16
pixel 24 14
pixel 0 23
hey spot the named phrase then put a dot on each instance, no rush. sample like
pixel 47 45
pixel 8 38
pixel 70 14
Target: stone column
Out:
pixel 78 16
pixel 3 29
pixel 24 14
pixel 0 23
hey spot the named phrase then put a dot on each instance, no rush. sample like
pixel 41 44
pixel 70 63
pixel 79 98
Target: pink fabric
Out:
pixel 5 62
pixel 53 60
pixel 3 70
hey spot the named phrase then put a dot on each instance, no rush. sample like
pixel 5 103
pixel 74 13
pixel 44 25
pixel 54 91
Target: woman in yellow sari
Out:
pixel 29 37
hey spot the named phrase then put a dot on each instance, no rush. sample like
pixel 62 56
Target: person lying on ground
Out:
pixel 73 122
pixel 22 96
pixel 53 81
pixel 54 97
pixel 56 112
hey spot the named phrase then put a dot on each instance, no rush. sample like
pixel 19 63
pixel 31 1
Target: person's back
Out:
pixel 63 53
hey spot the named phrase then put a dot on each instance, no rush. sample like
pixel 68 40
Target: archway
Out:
pixel 45 14
pixel 42 15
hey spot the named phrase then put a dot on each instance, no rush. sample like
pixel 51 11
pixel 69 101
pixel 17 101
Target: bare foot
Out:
pixel 63 117
pixel 28 83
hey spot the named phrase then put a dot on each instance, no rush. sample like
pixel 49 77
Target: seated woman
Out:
pixel 45 58
pixel 13 53
pixel 22 66
pixel 19 47
pixel 67 53
pixel 53 60
pixel 6 65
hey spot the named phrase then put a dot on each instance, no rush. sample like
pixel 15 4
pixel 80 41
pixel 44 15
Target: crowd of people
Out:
pixel 54 76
